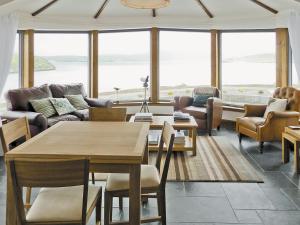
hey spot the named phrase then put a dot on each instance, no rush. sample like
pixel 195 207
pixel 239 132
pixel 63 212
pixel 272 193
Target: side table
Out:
pixel 293 136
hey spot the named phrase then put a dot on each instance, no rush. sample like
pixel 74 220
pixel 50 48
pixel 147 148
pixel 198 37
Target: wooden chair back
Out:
pixel 166 139
pixel 13 131
pixel 48 174
pixel 107 114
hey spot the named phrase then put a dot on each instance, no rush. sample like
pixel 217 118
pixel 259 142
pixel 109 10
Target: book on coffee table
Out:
pixel 143 117
pixel 179 116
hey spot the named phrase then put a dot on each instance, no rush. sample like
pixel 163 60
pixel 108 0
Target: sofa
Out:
pixel 269 128
pixel 208 116
pixel 18 105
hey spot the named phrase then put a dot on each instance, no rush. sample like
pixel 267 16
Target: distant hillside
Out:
pixel 40 64
pixel 103 59
pixel 259 58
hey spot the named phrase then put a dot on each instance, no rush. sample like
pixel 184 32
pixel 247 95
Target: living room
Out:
pixel 186 112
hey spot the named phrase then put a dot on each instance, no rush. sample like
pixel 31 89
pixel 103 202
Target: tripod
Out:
pixel 144 107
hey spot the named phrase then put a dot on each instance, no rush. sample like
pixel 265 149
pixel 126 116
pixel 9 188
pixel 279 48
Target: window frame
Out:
pixel 150 76
pixel 221 48
pixel 179 30
pixel 88 50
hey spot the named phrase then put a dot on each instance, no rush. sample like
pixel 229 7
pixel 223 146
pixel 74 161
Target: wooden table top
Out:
pixel 158 122
pixel 101 142
pixel 294 132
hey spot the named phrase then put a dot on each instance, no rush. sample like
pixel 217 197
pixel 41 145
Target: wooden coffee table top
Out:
pixel 158 122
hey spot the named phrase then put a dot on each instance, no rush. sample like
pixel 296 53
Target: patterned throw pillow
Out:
pixel 200 100
pixel 43 106
pixel 77 101
pixel 62 106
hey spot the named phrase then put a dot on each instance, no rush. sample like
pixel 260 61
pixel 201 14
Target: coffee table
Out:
pixel 293 136
pixel 190 126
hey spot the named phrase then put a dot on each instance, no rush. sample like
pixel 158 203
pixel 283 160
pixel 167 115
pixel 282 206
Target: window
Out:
pixel 185 62
pixel 248 67
pixel 124 60
pixel 61 58
pixel 13 79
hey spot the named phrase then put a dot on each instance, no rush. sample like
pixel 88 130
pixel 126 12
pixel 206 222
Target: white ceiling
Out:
pixel 78 14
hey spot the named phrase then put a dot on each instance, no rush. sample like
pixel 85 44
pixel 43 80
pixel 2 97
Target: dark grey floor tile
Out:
pixel 203 189
pixel 276 180
pixel 175 189
pixel 293 194
pixel 237 224
pixel 247 216
pixel 279 200
pixel 247 196
pixel 200 209
pixel 279 217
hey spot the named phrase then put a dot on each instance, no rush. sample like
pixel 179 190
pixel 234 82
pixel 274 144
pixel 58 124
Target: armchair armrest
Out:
pixel 182 102
pixel 94 102
pixel 214 111
pixel 282 115
pixel 254 110
pixel 34 118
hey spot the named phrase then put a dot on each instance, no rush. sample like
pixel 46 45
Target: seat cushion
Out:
pixel 18 99
pixel 60 90
pixel 61 204
pixel 149 179
pixel 82 114
pixel 251 122
pixel 197 112
pixel 67 117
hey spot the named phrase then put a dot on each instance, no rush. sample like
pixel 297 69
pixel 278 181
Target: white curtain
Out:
pixel 8 31
pixel 294 33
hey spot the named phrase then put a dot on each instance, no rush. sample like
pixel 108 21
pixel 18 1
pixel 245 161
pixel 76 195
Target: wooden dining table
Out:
pixel 111 147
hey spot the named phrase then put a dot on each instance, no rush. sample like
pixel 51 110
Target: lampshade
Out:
pixel 145 4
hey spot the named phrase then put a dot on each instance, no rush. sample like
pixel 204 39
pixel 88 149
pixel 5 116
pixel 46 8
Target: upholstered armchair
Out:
pixel 254 125
pixel 207 117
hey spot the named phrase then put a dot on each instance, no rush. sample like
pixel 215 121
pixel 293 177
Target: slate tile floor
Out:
pixel 274 202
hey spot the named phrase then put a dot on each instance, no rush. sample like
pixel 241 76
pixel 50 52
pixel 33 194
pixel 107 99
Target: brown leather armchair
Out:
pixel 261 129
pixel 208 117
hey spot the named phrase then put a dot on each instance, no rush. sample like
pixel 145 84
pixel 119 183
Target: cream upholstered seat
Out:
pixel 61 204
pixel 120 181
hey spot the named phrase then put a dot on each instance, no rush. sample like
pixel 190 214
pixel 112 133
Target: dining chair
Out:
pixel 106 114
pixel 153 182
pixel 11 132
pixel 64 197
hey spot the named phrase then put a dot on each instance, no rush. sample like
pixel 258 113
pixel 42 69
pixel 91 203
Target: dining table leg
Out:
pixel 11 214
pixel 135 195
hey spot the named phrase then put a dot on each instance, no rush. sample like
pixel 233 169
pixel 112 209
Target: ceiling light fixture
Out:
pixel 146 4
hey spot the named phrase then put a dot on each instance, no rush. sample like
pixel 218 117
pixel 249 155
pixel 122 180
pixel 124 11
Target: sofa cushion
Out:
pixel 251 122
pixel 201 100
pixel 67 117
pixel 197 112
pixel 43 106
pixel 18 99
pixel 62 106
pixel 60 90
pixel 77 101
pixel 82 114
pixel 277 105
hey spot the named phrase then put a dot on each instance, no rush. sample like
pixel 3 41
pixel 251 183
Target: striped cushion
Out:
pixel 43 106
pixel 77 101
pixel 62 106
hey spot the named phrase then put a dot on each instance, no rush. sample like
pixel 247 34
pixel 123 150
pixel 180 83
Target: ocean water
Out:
pixel 176 78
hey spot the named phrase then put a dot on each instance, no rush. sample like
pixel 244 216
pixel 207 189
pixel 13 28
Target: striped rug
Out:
pixel 217 160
